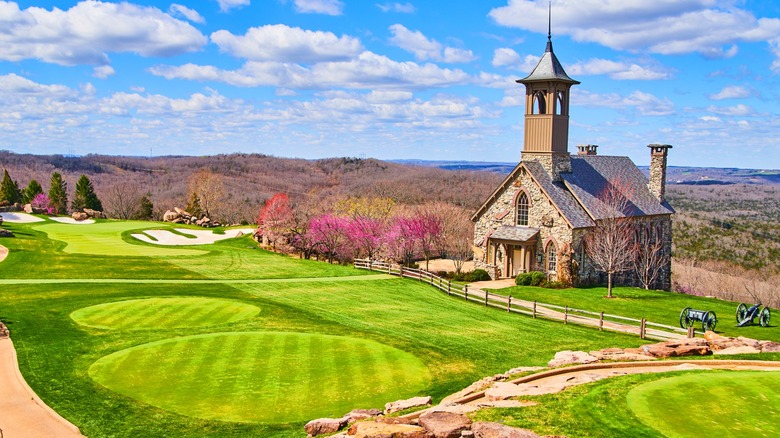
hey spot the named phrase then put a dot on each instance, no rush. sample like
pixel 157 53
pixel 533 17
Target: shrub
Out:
pixel 538 278
pixel 555 285
pixel 533 278
pixel 477 275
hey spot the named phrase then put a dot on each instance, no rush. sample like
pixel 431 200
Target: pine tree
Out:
pixel 85 196
pixel 145 208
pixel 33 189
pixel 58 193
pixel 9 189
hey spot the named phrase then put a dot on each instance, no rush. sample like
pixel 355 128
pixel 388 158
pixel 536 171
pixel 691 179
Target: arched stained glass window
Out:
pixel 552 258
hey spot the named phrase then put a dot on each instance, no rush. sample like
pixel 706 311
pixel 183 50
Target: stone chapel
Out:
pixel 538 216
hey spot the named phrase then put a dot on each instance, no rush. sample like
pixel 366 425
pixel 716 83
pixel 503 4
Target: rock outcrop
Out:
pixel 571 357
pixel 444 424
pixel 179 216
pixel 400 405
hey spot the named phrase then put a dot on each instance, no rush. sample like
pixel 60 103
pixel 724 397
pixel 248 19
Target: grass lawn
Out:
pixel 656 306
pixel 238 341
pixel 734 404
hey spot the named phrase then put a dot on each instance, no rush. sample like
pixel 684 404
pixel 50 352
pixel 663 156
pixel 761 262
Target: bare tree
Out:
pixel 457 232
pixel 649 255
pixel 208 189
pixel 122 200
pixel 609 244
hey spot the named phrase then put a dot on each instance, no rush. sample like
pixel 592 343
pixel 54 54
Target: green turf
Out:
pixel 162 313
pixel 656 306
pixel 105 238
pixel 261 377
pixel 734 404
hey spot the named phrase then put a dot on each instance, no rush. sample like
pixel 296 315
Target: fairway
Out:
pixel 261 377
pixel 162 313
pixel 729 404
pixel 105 238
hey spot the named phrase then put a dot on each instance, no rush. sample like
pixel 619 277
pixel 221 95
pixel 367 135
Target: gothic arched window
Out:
pixel 540 103
pixel 552 257
pixel 560 103
pixel 522 210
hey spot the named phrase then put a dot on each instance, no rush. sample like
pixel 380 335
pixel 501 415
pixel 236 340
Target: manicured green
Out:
pixel 261 377
pixel 105 238
pixel 162 313
pixel 656 306
pixel 734 404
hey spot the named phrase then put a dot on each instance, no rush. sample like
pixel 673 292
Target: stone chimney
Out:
pixel 586 149
pixel 657 183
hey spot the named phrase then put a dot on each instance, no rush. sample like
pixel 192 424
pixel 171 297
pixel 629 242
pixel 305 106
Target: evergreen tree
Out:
pixel 85 196
pixel 58 194
pixel 9 189
pixel 33 189
pixel 145 208
pixel 193 205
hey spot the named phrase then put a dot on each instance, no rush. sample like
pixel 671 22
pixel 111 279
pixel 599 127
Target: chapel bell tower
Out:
pixel 547 91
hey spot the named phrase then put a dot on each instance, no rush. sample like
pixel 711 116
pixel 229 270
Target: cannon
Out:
pixel 746 315
pixel 689 316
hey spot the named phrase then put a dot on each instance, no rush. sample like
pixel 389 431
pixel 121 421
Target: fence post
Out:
pixel 486 297
pixel 401 269
pixel 601 322
pixel 466 291
pixel 691 332
pixel 642 328
pixel 534 309
pixel 449 287
pixel 369 265
pixel 565 315
pixel 509 304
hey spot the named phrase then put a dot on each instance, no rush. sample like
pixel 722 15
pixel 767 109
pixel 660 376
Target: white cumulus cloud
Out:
pixel 425 49
pixel 401 8
pixel 505 56
pixel 90 30
pixel 735 110
pixel 731 92
pixel 282 43
pixel 227 5
pixel 327 7
pixel 616 70
pixel 183 11
pixel 645 103
pixel 103 71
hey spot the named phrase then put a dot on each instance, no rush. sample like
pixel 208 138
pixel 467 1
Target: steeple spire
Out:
pixel 549 27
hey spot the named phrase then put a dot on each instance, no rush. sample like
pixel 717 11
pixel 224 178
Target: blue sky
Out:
pixel 428 80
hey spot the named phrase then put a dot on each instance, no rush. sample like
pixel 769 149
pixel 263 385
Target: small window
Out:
pixel 540 103
pixel 560 103
pixel 552 258
pixel 522 210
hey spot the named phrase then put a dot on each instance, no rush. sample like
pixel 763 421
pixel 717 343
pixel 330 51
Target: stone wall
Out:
pixel 502 211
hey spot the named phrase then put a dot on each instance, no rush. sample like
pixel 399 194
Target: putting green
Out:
pixel 105 238
pixel 728 404
pixel 262 377
pixel 162 313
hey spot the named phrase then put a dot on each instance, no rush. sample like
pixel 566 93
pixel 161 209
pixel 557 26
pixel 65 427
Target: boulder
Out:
pixel 80 216
pixel 181 212
pixel 413 402
pixel 744 349
pixel 322 426
pixel 444 424
pixel 679 347
pixel 170 216
pixel 568 357
pixel 6 233
pixel 497 430
pixel 506 390
pixel 362 414
pixel 369 429
pixel 620 355
pixel 94 214
pixel 770 347
pixel 1 220
pixel 27 208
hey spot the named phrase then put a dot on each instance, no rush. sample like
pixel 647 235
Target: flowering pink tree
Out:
pixel 427 230
pixel 276 218
pixel 400 240
pixel 328 234
pixel 366 235
pixel 41 202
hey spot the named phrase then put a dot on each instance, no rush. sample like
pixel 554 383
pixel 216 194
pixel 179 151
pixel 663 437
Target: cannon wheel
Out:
pixel 764 317
pixel 685 321
pixel 709 321
pixel 741 312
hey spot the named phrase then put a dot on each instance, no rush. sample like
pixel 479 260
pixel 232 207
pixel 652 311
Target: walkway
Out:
pixel 24 414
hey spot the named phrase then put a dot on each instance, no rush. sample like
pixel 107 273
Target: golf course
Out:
pixel 124 336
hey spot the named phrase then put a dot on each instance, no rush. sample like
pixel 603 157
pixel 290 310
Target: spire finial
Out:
pixel 549 27
pixel 549 20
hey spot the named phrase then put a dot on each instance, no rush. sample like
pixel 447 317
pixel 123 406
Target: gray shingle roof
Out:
pixel 548 68
pixel 515 234
pixel 592 175
pixel 560 196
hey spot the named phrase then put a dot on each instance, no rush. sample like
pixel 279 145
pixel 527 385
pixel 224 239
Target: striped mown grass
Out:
pixel 164 313
pixel 261 377
pixel 728 404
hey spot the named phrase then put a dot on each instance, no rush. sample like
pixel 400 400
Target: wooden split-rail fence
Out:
pixel 641 327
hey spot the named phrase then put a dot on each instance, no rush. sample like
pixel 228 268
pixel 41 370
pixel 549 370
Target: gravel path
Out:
pixel 24 414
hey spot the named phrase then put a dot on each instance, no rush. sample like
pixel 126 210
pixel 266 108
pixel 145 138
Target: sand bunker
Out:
pixel 70 220
pixel 21 218
pixel 202 237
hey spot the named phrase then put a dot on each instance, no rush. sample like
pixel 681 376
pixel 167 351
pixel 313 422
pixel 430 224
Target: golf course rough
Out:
pixel 164 313
pixel 262 377
pixel 727 404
